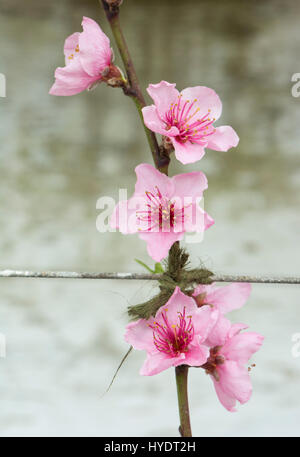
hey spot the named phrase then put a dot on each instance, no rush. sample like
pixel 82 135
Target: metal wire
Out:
pixel 143 276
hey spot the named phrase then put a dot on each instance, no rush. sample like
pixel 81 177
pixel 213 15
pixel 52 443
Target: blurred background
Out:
pixel 58 155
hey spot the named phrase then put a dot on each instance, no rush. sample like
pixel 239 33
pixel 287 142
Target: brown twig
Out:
pixel 181 373
pixel 132 88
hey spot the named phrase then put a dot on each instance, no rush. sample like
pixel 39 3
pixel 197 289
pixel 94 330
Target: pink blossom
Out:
pixel 224 299
pixel 175 336
pixel 88 58
pixel 229 350
pixel 162 209
pixel 227 365
pixel 187 118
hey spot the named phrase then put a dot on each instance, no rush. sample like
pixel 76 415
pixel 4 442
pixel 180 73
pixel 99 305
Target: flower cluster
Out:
pixel 162 209
pixel 194 331
pixel 188 329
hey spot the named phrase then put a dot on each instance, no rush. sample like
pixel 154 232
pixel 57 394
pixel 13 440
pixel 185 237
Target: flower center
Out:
pixel 214 359
pixel 173 339
pixel 160 212
pixel 184 115
pixel 71 56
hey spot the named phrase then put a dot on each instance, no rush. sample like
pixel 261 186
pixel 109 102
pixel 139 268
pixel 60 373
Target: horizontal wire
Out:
pixel 143 276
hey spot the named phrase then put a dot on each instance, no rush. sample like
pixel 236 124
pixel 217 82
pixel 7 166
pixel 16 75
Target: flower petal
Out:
pixel 205 99
pixel 197 355
pixel 149 179
pixel 70 46
pixel 71 80
pixel 188 193
pixel 230 297
pixel 204 320
pixel 140 335
pixel 208 220
pixel 125 216
pixel 236 328
pixel 242 346
pixel 94 46
pixel 218 334
pixel 195 219
pixel 176 303
pixel 154 122
pixel 223 139
pixel 187 152
pixel 190 185
pixel 204 289
pixel 156 363
pixel 235 381
pixel 226 400
pixel 163 94
pixel 159 243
